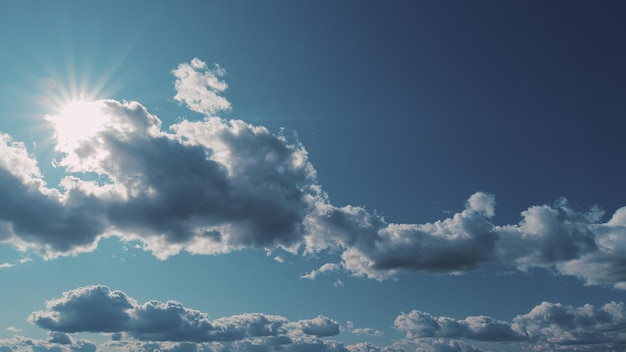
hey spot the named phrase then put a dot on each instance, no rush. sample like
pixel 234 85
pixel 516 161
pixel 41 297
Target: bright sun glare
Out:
pixel 77 121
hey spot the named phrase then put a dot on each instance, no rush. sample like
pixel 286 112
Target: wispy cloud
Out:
pixel 328 267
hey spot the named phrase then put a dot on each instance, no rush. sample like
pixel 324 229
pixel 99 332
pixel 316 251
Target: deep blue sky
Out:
pixel 410 112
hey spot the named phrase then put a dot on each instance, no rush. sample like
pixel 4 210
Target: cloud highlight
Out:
pixel 214 186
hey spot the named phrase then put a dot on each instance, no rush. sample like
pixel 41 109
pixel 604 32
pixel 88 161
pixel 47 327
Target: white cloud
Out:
pixel 199 88
pixel 328 267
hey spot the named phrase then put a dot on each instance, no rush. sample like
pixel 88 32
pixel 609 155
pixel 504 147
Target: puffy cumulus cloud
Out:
pixel 209 187
pixel 557 326
pixel 86 309
pixel 547 327
pixel 172 327
pixel 442 345
pixel 553 236
pixel 55 343
pixel 59 337
pixel 199 88
pixel 604 266
pixel 216 185
pixel 320 326
pixel 417 324
pixel 377 249
pixel 99 309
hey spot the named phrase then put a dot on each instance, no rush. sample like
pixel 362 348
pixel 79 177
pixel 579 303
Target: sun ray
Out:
pixel 78 120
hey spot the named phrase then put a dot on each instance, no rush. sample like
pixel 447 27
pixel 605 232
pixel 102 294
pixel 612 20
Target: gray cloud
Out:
pixel 172 327
pixel 547 327
pixel 443 345
pixel 320 326
pixel 56 343
pixel 417 324
pixel 62 226
pixel 86 309
pixel 99 309
pixel 276 345
pixel 214 186
pixel 59 337
pixel 556 325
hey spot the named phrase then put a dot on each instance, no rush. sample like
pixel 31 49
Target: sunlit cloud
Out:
pixel 215 186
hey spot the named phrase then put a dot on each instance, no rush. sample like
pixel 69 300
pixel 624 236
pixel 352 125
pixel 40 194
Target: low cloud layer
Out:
pixel 547 327
pixel 98 309
pixel 170 326
pixel 56 342
pixel 213 186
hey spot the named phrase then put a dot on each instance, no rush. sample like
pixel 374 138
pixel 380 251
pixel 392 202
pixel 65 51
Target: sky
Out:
pixel 432 176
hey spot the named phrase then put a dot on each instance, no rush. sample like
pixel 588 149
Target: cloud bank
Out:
pixel 171 326
pixel 56 342
pixel 547 327
pixel 214 186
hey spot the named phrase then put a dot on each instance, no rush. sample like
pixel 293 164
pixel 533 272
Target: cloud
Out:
pixel 59 337
pixel 442 345
pixel 214 186
pixel 209 187
pixel 547 327
pixel 320 326
pixel 55 343
pixel 560 325
pixel 549 236
pixel 328 267
pixel 248 346
pixel 63 227
pixel 199 88
pixel 417 324
pixel 86 309
pixel 364 331
pixel 99 309
pixel 170 326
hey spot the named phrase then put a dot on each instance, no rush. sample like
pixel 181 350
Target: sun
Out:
pixel 77 121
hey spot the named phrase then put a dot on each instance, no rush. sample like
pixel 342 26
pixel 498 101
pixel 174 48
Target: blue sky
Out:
pixel 312 176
